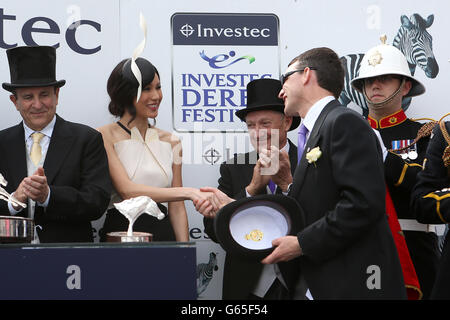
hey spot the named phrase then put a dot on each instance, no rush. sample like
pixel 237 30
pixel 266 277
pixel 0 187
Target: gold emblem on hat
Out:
pixel 375 59
pixel 255 235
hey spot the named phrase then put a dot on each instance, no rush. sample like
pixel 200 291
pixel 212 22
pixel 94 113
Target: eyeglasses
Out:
pixel 284 77
pixel 382 78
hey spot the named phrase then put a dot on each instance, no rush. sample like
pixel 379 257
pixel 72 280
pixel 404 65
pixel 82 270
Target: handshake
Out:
pixel 210 200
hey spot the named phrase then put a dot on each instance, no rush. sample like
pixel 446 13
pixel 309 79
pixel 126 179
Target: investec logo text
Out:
pixel 206 32
pixel 206 96
pixel 225 29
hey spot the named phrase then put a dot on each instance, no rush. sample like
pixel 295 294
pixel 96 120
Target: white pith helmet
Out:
pixel 386 59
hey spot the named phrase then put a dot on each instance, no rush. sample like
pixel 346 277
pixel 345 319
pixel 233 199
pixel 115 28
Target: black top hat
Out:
pixel 246 227
pixel 32 67
pixel 262 94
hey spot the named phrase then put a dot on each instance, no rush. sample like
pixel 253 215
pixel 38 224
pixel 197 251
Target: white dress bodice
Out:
pixel 147 161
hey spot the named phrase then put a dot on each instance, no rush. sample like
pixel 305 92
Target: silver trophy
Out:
pixel 14 229
pixel 132 209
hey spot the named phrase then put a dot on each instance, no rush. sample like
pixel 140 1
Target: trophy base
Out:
pixel 121 236
pixel 16 229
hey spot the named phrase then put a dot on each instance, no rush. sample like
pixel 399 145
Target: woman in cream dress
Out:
pixel 143 159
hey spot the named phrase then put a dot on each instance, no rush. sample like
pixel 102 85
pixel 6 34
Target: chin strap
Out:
pixel 379 105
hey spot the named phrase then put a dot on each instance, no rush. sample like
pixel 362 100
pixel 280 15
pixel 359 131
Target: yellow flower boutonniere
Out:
pixel 313 155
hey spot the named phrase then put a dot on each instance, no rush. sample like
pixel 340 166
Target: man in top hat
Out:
pixel 385 80
pixel 57 167
pixel 430 199
pixel 346 249
pixel 243 176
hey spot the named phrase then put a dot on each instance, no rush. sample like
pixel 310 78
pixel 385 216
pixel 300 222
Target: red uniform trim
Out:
pixel 409 272
pixel 389 121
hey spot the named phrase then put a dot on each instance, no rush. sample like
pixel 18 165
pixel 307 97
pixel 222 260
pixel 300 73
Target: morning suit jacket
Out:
pixel 348 249
pixel 240 275
pixel 76 167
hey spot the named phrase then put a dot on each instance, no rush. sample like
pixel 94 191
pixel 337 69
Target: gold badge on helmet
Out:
pixel 375 59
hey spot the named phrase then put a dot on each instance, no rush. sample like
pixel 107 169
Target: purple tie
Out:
pixel 272 186
pixel 302 132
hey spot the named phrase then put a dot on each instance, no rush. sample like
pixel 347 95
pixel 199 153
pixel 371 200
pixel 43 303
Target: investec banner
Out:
pixel 214 56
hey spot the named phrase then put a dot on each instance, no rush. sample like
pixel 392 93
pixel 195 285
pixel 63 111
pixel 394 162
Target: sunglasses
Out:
pixel 382 78
pixel 284 77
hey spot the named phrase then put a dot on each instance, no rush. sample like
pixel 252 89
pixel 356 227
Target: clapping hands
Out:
pixel 34 187
pixel 272 164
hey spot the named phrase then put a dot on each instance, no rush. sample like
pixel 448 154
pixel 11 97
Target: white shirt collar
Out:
pixel 313 113
pixel 286 146
pixel 47 131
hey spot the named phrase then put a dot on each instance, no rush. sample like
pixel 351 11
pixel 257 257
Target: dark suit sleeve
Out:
pixel 87 198
pixel 226 183
pixel 350 147
pixel 431 195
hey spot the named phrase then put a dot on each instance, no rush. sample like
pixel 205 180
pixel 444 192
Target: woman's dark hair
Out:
pixel 122 90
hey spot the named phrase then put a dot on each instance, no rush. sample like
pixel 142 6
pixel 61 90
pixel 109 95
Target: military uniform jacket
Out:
pixel 240 276
pixel 431 195
pixel 401 173
pixel 397 130
pixel 431 203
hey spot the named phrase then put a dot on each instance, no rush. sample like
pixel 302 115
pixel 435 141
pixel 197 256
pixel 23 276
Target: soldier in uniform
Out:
pixel 431 199
pixel 385 80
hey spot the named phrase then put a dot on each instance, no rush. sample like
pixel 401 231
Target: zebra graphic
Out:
pixel 413 40
pixel 205 272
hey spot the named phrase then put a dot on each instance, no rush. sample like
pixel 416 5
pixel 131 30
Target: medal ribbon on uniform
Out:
pixel 406 148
